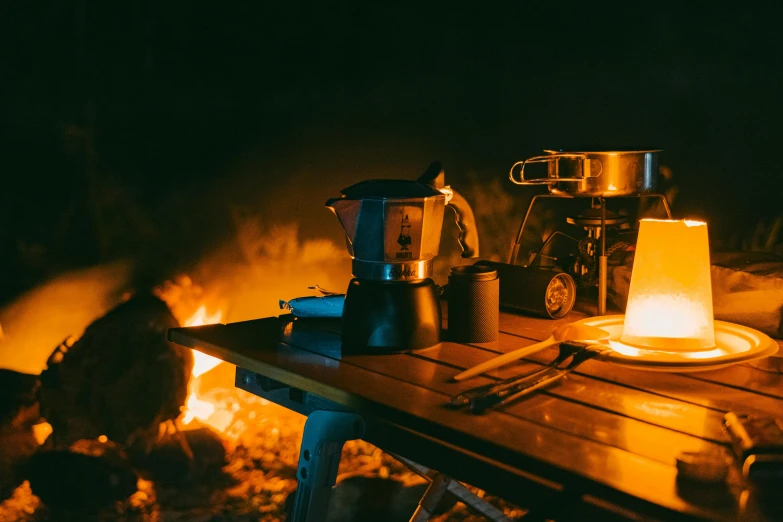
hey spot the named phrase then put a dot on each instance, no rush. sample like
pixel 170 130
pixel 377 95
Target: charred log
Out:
pixel 121 379
pixel 187 456
pixel 17 391
pixel 18 414
pixel 17 445
pixel 88 475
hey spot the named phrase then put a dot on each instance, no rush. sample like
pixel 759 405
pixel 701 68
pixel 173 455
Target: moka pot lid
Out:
pixel 390 189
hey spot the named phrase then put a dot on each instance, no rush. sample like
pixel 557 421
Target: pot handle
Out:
pixel 542 159
pixel 468 238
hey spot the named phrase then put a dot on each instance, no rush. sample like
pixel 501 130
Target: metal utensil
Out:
pixel 324 291
pixel 463 399
pixel 526 386
pixel 566 332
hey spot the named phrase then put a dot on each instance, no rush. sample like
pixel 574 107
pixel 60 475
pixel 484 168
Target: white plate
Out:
pixel 734 344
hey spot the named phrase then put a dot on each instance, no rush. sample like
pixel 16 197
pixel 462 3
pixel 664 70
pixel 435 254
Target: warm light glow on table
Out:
pixel 670 298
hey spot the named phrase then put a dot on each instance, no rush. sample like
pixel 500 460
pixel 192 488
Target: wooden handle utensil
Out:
pixel 566 332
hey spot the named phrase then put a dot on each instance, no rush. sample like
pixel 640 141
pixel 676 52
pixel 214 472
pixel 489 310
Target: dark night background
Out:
pixel 128 129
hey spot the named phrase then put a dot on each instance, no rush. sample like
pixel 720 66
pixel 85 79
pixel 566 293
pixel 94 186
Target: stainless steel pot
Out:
pixel 594 173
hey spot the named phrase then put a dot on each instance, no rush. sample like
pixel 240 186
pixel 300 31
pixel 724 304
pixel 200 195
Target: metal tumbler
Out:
pixel 474 304
pixel 534 291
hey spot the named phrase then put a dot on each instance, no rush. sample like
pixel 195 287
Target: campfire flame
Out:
pixel 197 407
pixel 203 362
pixel 41 432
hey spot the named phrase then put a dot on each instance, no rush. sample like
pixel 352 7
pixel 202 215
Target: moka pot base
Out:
pixel 390 316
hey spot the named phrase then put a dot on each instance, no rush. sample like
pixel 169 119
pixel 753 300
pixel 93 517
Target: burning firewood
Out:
pixel 121 379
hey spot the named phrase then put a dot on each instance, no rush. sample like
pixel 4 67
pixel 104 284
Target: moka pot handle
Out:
pixel 466 221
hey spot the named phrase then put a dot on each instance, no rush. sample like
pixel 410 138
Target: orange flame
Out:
pixel 203 362
pixel 195 406
pixel 197 409
pixel 41 432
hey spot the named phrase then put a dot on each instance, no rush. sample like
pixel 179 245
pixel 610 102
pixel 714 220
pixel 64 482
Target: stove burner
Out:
pixel 591 217
pixel 584 258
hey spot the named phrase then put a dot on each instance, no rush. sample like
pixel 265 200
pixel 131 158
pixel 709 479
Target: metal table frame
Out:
pixel 328 427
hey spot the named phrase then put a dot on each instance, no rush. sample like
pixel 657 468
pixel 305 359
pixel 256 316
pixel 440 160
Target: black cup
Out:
pixel 474 304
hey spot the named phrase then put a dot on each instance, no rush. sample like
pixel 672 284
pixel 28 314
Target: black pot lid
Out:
pixel 390 189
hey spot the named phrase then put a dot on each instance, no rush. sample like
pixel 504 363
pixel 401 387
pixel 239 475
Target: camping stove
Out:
pixel 570 234
pixel 574 229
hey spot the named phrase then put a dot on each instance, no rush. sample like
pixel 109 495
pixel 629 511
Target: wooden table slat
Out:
pixel 672 414
pixel 744 377
pixel 716 389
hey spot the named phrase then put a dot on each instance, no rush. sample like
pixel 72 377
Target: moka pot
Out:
pixel 392 231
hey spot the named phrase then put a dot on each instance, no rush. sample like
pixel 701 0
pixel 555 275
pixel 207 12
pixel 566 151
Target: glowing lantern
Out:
pixel 670 298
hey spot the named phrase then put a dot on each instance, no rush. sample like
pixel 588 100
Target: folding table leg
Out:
pixel 432 497
pixel 441 484
pixel 325 433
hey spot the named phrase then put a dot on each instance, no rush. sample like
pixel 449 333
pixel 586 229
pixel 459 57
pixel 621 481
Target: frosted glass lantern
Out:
pixel 670 298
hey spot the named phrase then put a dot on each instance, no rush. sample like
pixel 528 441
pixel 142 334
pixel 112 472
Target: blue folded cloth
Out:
pixel 311 306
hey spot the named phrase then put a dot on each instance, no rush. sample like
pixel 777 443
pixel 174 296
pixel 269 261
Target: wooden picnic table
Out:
pixel 599 445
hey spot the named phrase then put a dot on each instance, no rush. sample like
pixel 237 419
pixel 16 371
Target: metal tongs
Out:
pixel 508 390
